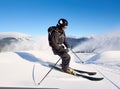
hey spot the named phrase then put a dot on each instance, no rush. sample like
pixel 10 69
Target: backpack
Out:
pixel 51 30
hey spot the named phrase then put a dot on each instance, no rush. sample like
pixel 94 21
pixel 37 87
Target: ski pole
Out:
pixel 49 71
pixel 77 56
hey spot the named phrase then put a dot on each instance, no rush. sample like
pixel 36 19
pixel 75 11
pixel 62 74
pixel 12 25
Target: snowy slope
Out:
pixel 17 70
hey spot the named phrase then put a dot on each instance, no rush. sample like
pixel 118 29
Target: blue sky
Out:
pixel 35 16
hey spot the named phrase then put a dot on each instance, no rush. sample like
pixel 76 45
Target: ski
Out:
pixel 86 72
pixel 75 73
pixel 81 71
pixel 90 78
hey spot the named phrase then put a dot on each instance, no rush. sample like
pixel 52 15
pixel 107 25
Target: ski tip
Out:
pixel 99 79
pixel 95 79
pixel 102 78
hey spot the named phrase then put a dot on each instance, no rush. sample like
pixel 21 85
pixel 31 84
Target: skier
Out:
pixel 59 44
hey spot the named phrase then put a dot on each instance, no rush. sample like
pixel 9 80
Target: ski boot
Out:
pixel 70 71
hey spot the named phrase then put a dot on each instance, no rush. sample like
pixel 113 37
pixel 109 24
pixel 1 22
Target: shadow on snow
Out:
pixel 32 58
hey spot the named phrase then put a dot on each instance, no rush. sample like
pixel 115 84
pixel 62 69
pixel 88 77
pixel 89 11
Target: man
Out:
pixel 59 44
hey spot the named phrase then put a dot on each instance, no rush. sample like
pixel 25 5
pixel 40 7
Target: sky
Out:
pixel 85 17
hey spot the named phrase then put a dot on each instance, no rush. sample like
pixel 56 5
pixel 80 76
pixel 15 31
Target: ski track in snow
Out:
pixel 100 68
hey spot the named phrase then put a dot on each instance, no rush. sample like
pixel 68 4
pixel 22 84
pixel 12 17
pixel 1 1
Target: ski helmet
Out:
pixel 62 22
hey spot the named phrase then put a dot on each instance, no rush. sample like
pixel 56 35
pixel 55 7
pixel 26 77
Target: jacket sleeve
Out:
pixel 66 43
pixel 55 43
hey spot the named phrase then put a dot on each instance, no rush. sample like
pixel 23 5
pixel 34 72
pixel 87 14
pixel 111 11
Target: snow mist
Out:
pixel 101 43
pixel 38 43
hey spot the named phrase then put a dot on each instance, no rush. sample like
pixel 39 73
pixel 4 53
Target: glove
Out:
pixel 64 50
pixel 67 50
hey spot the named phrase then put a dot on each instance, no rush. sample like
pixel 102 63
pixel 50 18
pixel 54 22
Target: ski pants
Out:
pixel 65 60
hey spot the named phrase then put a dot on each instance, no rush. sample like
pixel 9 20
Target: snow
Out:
pixel 17 70
pixel 22 68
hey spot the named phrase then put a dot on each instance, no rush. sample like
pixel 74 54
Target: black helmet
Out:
pixel 62 22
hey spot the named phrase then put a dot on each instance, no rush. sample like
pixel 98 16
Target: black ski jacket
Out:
pixel 57 40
